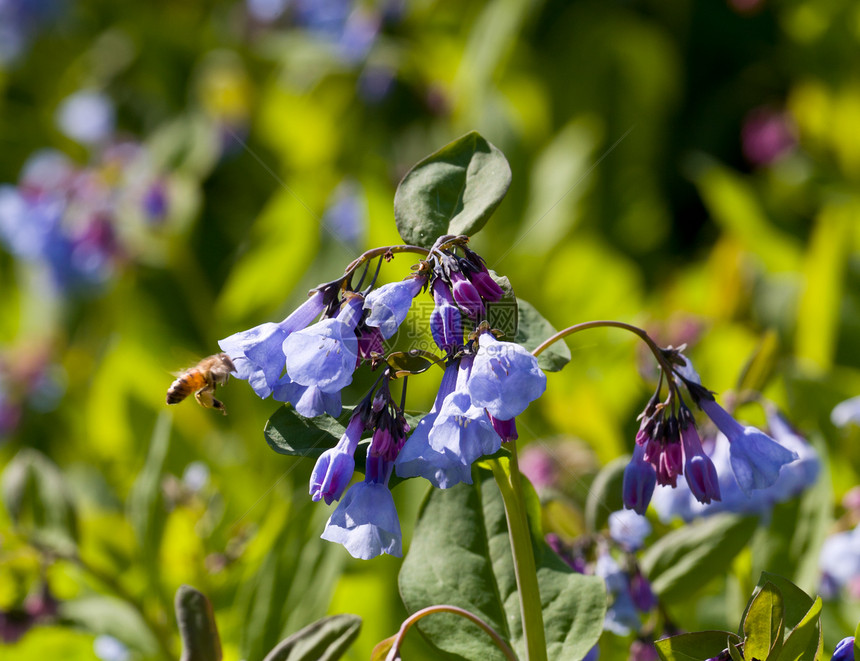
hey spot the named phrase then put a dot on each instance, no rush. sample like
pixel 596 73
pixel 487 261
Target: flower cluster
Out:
pixel 792 479
pixel 839 563
pixel 668 444
pixel 81 223
pixel 485 385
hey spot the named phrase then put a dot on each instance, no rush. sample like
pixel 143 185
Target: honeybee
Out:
pixel 202 379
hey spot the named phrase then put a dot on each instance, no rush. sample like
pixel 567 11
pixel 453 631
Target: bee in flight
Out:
pixel 201 380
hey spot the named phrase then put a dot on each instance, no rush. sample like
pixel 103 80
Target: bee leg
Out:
pixel 206 399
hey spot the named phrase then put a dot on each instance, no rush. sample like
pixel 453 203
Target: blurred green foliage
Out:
pixel 641 192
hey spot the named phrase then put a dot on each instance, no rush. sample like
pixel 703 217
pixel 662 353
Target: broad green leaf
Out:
pixel 763 624
pixel 693 646
pixel 37 498
pixel 683 561
pixel 460 555
pixel 734 652
pixel 604 494
pixel 112 617
pixel 324 640
pixel 804 641
pixel 532 329
pixel 796 603
pixel 200 640
pixel 452 191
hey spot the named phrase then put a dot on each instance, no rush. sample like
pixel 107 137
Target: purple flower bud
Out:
pixel 466 296
pixel 507 429
pixel 445 323
pixel 641 593
pixel 699 470
pixel 370 342
pixel 640 478
pixel 335 466
pixel 642 650
pixel 844 650
pixel 486 286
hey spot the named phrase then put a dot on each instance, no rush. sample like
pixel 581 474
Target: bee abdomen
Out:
pixel 181 388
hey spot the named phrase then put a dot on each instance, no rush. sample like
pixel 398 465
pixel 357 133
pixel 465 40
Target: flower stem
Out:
pixel 392 250
pixel 424 612
pixel 659 354
pixel 525 569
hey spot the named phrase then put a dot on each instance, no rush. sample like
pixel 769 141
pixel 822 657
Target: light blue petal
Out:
pixel 322 355
pixel 365 522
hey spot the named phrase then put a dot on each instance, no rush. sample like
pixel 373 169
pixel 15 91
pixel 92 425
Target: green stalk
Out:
pixel 525 570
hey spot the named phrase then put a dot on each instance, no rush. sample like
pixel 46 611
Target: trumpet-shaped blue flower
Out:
pixel 309 401
pixel 443 467
pixel 365 522
pixel 335 466
pixel 640 478
pixel 258 354
pixel 629 529
pixel 389 304
pixel 463 430
pixel 445 321
pixel 325 354
pixel 756 458
pixel 505 378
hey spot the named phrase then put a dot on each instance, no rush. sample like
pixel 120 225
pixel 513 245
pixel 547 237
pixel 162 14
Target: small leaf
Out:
pixel 200 640
pixel 735 653
pixel 452 191
pixel 532 329
pixel 683 561
pixel 604 494
pixel 411 362
pixel 324 640
pixel 795 601
pixel 693 646
pixel 804 641
pixel 289 433
pixel 763 625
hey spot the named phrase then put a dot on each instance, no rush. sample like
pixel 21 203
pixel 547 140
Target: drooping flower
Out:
pixel 365 522
pixel 756 458
pixel 699 470
pixel 390 303
pixel 505 378
pixel 445 321
pixel 335 466
pixel 309 401
pixel 839 562
pixel 507 429
pixel 325 354
pixel 465 295
pixel 622 614
pixel 258 352
pixel 800 474
pixel 444 467
pixel 847 412
pixel 640 479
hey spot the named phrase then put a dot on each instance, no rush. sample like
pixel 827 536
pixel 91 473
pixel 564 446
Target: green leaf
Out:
pixel 460 555
pixel 796 603
pixel 200 640
pixel 857 642
pixel 804 641
pixel 683 561
pixel 532 329
pixel 604 494
pixel 763 625
pixel 452 191
pixel 734 652
pixel 414 361
pixel 324 640
pixel 113 617
pixel 37 498
pixel 693 646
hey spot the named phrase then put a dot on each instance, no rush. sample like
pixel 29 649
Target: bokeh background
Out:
pixel 174 172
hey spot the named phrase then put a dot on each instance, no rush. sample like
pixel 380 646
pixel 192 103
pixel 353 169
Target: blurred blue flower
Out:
pixel 108 648
pixel 20 20
pixel 86 117
pixel 846 412
pixel 839 562
pixel 844 650
pixel 593 654
pixel 505 378
pixel 258 353
pixel 345 216
pixel 390 303
pixel 622 616
pixel 195 476
pixel 629 529
pixel 756 458
pixel 334 468
pixel 365 522
pixel 325 354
